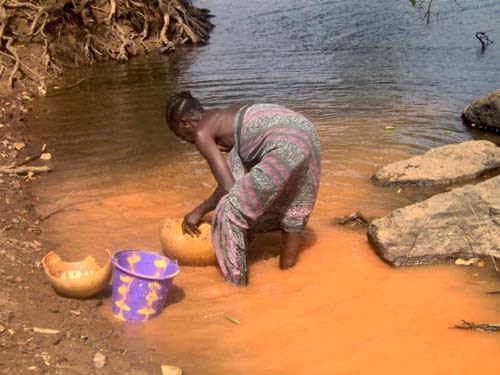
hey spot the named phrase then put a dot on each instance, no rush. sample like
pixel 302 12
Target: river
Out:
pixel 353 67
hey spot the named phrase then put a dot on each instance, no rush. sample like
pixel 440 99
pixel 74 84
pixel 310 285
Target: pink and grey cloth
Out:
pixel 276 166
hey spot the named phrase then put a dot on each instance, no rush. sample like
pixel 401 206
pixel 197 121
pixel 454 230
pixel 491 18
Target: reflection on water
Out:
pixel 354 67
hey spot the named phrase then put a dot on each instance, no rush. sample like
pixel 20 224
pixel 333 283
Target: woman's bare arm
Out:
pixel 192 219
pixel 211 202
pixel 208 149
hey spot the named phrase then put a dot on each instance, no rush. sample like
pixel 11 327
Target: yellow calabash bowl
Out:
pixel 188 250
pixel 93 277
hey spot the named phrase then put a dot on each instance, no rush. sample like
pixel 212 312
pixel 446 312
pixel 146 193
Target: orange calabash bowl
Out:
pixel 77 279
pixel 187 250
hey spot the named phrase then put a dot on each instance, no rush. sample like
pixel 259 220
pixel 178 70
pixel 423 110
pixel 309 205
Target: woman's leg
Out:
pixel 230 240
pixel 290 242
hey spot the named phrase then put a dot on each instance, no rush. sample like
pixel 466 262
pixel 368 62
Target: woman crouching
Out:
pixel 271 181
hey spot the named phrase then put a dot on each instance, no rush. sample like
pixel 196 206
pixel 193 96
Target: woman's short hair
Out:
pixel 182 104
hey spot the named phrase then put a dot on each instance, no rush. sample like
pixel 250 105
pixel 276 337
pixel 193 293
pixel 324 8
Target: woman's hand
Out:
pixel 191 222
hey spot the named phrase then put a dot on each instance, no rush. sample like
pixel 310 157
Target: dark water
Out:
pixel 354 67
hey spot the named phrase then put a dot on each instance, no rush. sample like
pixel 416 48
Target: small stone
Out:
pixel 46 156
pixel 2 328
pixel 19 145
pixel 42 91
pixel 170 370
pixel 19 279
pixel 99 360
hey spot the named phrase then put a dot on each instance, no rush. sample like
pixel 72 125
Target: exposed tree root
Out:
pixel 72 33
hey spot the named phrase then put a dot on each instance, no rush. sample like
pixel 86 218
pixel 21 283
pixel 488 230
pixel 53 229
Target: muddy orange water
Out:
pixel 341 310
pixel 354 68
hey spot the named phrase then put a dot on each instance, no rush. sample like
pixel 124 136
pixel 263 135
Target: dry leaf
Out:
pixel 466 262
pixel 170 370
pixel 233 320
pixel 48 331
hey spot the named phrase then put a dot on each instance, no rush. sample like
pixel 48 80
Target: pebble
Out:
pixel 19 145
pixel 46 156
pixel 99 360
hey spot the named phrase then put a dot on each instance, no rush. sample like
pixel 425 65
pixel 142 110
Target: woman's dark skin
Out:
pixel 213 134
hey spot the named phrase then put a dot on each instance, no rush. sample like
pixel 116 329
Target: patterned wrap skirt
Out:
pixel 276 166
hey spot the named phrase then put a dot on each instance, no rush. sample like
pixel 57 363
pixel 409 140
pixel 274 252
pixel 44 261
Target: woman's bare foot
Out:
pixel 290 242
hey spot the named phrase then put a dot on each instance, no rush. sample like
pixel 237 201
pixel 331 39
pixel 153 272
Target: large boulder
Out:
pixel 442 165
pixel 484 112
pixel 462 223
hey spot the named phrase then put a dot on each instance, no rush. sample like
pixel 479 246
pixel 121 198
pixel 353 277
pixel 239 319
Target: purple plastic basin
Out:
pixel 141 280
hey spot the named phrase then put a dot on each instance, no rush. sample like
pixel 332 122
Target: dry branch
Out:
pixel 29 159
pixel 25 170
pixel 480 327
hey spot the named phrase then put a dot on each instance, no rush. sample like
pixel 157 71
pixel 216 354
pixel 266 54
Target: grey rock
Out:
pixel 462 223
pixel 484 112
pixel 442 165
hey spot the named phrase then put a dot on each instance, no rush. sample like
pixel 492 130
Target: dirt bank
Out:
pixel 39 40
